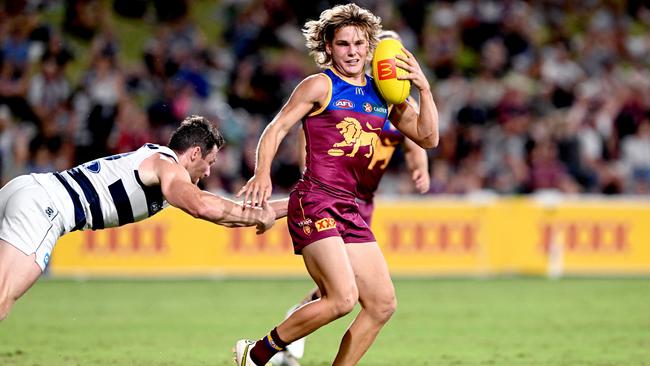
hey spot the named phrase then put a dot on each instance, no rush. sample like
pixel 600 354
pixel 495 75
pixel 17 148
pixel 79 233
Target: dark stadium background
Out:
pixel 533 95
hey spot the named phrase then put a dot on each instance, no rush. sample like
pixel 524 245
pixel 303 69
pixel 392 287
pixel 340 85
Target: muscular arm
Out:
pixel 420 125
pixel 178 190
pixel 417 163
pixel 309 94
pixel 280 207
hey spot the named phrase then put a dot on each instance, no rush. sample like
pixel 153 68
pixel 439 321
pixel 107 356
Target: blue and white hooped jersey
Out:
pixel 106 192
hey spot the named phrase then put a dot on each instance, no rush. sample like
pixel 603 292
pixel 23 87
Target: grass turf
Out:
pixel 439 322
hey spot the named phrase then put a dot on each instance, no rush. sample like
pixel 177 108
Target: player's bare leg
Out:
pixel 328 264
pixel 377 298
pixel 18 272
pixel 296 350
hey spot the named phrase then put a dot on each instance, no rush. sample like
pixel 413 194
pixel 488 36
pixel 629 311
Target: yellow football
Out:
pixel 385 72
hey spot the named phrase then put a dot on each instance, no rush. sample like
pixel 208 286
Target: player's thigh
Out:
pixel 30 222
pixel 372 274
pixel 18 271
pixel 328 264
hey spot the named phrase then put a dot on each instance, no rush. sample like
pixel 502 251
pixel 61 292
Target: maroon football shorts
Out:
pixel 316 215
pixel 365 210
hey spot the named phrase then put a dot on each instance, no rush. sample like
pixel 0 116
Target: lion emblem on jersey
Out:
pixel 383 152
pixel 355 136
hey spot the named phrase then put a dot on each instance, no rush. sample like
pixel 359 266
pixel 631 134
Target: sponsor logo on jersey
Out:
pixel 46 259
pixel 305 225
pixel 386 69
pixel 369 108
pixel 325 224
pixel 305 222
pixel 155 207
pixel 344 104
pixel 380 109
pixel 49 211
pixel 93 166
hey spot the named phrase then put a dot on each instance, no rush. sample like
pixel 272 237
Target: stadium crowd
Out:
pixel 533 95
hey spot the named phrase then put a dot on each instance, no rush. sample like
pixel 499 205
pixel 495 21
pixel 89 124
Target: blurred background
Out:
pixel 543 169
pixel 543 165
pixel 533 95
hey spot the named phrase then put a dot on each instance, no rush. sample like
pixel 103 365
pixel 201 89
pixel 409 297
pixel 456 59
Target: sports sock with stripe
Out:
pixel 266 347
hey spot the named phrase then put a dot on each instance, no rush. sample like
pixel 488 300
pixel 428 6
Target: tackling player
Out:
pixel 37 209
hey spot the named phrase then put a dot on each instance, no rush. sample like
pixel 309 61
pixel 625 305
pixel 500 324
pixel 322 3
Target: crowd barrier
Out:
pixel 440 237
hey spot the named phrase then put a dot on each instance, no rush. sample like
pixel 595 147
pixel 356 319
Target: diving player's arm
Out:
pixel 280 207
pixel 179 191
pixel 422 126
pixel 417 163
pixel 306 97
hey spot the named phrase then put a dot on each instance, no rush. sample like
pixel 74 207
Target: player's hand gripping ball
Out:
pixel 385 72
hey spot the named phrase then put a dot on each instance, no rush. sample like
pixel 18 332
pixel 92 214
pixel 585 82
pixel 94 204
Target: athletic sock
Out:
pixel 267 347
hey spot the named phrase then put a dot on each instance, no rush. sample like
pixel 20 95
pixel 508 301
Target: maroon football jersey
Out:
pixel 343 139
pixel 390 138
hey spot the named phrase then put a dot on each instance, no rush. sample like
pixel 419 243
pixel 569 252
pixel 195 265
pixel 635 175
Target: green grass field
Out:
pixel 438 322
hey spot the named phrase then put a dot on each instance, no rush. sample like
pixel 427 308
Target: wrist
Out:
pixel 425 91
pixel 262 171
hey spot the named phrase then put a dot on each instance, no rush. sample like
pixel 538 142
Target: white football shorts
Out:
pixel 28 219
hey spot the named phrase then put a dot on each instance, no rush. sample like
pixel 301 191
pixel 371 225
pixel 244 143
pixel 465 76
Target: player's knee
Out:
pixel 389 308
pixel 382 308
pixel 343 306
pixel 344 303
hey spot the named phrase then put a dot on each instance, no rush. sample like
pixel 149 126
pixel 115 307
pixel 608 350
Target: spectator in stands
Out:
pixel 591 78
pixel 636 157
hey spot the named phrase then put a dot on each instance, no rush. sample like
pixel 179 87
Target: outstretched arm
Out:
pixel 280 207
pixel 307 95
pixel 178 190
pixel 420 126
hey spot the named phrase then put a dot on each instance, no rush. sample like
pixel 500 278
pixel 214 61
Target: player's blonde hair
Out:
pixel 320 32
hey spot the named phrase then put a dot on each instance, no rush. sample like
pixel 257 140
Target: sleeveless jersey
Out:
pixel 389 139
pixel 106 192
pixel 342 137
